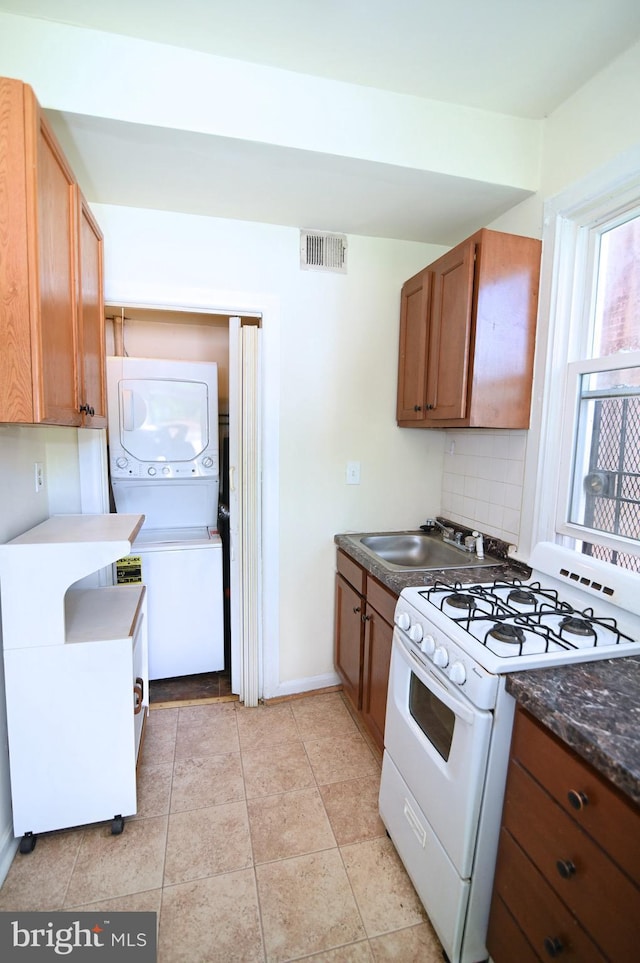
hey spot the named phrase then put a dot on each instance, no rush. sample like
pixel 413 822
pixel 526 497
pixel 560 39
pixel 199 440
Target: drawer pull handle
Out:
pixel 553 946
pixel 566 868
pixel 577 799
pixel 138 696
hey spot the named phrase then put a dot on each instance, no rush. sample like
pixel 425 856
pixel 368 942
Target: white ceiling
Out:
pixel 517 57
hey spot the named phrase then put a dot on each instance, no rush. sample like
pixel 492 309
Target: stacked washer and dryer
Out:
pixel 164 464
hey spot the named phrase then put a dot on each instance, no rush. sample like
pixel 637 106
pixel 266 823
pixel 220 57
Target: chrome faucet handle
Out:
pixel 458 538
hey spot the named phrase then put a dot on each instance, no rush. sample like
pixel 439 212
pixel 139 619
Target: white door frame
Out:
pixel 268 308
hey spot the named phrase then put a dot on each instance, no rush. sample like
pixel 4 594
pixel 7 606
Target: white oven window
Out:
pixel 435 719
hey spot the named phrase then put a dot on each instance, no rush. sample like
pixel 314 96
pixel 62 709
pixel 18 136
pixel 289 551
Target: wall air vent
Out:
pixel 322 251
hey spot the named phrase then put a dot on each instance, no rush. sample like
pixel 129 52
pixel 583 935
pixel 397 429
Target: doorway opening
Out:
pixel 230 341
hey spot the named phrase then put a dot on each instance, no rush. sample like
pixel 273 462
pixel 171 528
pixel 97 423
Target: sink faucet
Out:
pixel 467 543
pixel 445 529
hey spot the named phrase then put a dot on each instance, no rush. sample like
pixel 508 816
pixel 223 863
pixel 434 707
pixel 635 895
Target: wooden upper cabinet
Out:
pixel 480 329
pixel 415 312
pixel 91 318
pixel 451 327
pixel 44 289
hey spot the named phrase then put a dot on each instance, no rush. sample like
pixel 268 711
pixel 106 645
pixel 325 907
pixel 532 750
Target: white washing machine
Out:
pixel 182 569
pixel 163 460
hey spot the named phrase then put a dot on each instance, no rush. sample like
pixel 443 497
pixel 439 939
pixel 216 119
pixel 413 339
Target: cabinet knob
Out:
pixel 577 799
pixel 417 407
pixel 87 410
pixel 566 868
pixel 356 608
pixel 366 618
pixel 553 945
pixel 429 407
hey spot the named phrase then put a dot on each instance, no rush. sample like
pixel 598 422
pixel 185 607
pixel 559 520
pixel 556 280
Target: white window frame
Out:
pixel 567 286
pixel 568 455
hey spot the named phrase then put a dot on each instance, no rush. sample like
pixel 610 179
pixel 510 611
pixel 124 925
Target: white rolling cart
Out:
pixel 76 675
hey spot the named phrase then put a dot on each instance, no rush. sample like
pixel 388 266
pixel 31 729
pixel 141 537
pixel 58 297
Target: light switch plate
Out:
pixel 353 473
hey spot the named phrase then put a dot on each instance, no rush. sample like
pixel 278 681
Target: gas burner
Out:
pixel 520 596
pixel 577 626
pixel 460 601
pixel 505 632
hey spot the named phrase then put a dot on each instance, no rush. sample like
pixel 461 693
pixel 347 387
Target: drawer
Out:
pixel 381 599
pixel 505 940
pixel 543 918
pixel 597 807
pixel 351 571
pixel 595 890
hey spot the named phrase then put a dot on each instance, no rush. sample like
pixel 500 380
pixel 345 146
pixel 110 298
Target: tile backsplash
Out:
pixel 482 480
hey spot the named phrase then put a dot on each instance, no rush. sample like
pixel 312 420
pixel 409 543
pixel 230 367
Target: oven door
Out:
pixel 439 743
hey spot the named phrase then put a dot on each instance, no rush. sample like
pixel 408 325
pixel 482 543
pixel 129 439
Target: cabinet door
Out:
pixel 57 374
pixel 16 388
pixel 450 341
pixel 415 307
pixel 377 658
pixel 91 318
pixel 349 635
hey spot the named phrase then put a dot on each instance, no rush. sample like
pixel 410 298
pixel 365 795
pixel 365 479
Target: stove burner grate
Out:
pixel 549 622
pixel 460 600
pixel 506 632
pixel 521 596
pixel 577 626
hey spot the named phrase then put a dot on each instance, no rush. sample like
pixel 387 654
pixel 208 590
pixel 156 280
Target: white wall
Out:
pixel 591 129
pixel 335 343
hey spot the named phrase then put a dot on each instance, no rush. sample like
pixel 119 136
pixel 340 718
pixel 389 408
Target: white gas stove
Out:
pixel 449 715
pixel 572 609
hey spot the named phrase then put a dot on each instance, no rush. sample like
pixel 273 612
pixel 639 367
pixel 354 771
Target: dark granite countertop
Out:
pixel 396 581
pixel 595 708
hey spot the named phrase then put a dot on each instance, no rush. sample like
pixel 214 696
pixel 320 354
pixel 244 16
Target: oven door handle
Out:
pixel 454 700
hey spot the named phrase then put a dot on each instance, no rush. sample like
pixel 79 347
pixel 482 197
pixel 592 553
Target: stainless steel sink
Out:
pixel 403 551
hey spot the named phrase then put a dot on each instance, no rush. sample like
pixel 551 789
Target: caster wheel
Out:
pixel 28 843
pixel 117 825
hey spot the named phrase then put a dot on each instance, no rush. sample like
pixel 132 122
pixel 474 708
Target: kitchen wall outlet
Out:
pixel 353 473
pixel 38 475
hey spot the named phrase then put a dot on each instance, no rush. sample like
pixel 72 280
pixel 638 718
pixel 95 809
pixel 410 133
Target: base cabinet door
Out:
pixel 377 658
pixel 364 610
pixel 349 637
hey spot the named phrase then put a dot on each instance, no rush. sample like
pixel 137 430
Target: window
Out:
pixel 602 507
pixel 584 460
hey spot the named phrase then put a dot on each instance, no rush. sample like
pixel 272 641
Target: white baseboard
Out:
pixel 296 686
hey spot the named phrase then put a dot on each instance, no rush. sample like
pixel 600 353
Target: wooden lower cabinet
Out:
pixel 363 632
pixel 567 880
pixel 349 640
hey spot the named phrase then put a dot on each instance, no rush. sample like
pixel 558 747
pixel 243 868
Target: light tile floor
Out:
pixel 257 840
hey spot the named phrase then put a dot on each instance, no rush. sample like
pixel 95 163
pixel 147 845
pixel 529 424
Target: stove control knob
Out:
pixel 207 462
pixel 428 645
pixel 151 471
pixel 458 673
pixel 415 632
pixel 121 462
pixel 403 621
pixel 441 656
